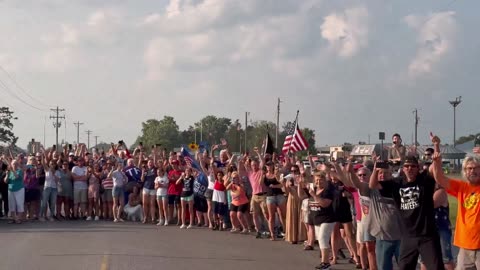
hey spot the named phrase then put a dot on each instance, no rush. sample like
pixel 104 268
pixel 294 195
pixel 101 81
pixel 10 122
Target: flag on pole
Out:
pixel 294 141
pixel 191 162
pixel 268 147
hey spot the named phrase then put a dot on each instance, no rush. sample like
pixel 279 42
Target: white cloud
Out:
pixel 346 32
pixel 435 39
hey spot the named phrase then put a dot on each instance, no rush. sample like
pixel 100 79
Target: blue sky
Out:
pixel 352 68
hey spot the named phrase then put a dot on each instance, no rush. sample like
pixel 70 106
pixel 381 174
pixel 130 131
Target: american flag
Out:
pixel 191 162
pixel 294 141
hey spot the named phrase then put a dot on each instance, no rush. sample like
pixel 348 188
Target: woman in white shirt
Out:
pixel 52 176
pixel 161 185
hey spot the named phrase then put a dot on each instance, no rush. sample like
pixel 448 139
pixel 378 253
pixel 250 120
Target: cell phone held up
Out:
pixel 382 165
pixel 477 141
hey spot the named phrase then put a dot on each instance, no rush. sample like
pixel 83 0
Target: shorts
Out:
pixel 200 204
pixel 219 208
pixel 360 233
pixel 241 208
pixel 209 194
pixel 149 192
pixel 32 195
pixel 187 199
pixel 107 196
pixel 162 197
pixel 258 204
pixel 344 216
pixel 79 196
pixel 276 200
pixel 173 199
pixel 117 192
pixel 323 233
pixel 468 259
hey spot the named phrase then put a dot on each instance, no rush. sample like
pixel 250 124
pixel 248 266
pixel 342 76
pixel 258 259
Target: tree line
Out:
pixel 210 129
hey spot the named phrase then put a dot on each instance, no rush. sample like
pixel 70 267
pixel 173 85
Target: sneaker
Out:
pixel 183 226
pixel 51 219
pixel 166 223
pixel 89 218
pixel 121 220
pixel 97 218
pixel 258 235
pixel 190 226
pixel 160 223
pixel 323 266
pixel 115 220
pixel 42 219
pixel 245 231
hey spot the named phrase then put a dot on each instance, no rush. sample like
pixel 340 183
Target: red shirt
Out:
pixel 173 188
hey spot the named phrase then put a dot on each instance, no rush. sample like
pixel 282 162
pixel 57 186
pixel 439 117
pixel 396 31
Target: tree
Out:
pixel 465 139
pixel 6 134
pixel 309 135
pixel 213 128
pixel 164 132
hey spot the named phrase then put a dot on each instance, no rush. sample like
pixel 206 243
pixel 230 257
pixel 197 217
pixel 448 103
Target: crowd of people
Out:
pixel 384 212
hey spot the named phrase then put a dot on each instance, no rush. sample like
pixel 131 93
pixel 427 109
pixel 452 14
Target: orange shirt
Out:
pixel 238 195
pixel 467 230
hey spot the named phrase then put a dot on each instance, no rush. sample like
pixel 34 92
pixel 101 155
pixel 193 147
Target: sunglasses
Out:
pixel 361 175
pixel 427 154
pixel 410 166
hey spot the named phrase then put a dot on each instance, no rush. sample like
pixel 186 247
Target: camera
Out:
pixel 382 165
pixel 477 141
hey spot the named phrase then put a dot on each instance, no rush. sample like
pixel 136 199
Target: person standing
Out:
pixel 413 196
pixel 52 177
pixel 294 185
pixel 467 234
pixel 16 192
pixel 80 188
pixel 119 181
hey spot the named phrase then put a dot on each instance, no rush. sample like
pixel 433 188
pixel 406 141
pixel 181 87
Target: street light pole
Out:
pixel 455 103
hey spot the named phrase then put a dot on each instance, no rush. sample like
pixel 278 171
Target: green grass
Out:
pixel 453 202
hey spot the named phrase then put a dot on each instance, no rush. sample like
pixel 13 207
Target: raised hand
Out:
pixel 435 139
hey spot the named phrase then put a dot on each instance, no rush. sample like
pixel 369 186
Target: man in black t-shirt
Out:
pixel 413 196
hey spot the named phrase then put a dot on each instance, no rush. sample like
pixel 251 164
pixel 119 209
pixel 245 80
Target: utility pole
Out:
pixel 415 112
pixel 78 124
pixel 96 142
pixel 455 103
pixel 57 124
pixel 88 136
pixel 246 125
pixel 278 123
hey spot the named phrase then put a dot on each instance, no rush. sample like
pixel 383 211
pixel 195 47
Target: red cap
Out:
pixel 357 166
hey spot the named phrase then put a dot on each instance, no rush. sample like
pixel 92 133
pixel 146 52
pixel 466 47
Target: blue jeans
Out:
pixel 50 196
pixel 385 250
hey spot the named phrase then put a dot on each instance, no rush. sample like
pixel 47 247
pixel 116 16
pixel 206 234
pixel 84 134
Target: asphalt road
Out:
pixel 133 246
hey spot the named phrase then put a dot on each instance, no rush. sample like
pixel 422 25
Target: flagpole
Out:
pixel 296 124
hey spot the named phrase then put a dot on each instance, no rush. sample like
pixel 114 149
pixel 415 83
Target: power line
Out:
pixel 88 140
pixel 78 124
pixel 22 88
pixel 57 124
pixel 9 91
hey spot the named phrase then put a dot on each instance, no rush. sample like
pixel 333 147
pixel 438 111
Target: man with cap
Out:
pixel 413 196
